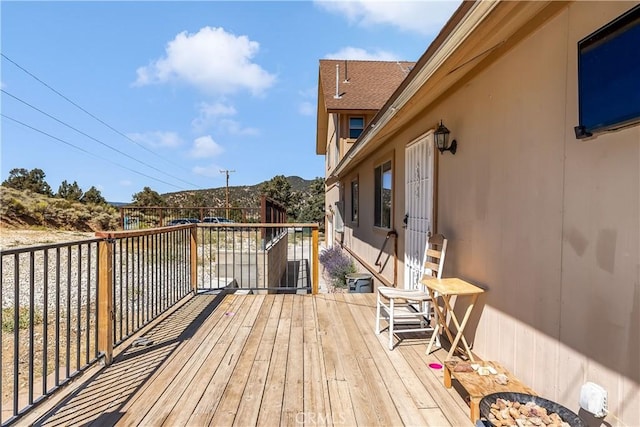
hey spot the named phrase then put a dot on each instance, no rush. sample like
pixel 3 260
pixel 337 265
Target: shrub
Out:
pixel 8 317
pixel 337 264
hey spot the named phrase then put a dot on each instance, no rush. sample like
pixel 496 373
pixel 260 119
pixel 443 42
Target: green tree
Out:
pixel 33 180
pixel 69 191
pixel 279 189
pixel 314 209
pixel 93 196
pixel 148 197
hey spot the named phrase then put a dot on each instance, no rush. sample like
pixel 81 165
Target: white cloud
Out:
pixel 233 127
pixel 422 17
pixel 307 109
pixel 209 115
pixel 210 171
pixel 157 139
pixel 204 147
pixel 212 60
pixel 125 183
pixel 2 85
pixel 217 115
pixel 356 53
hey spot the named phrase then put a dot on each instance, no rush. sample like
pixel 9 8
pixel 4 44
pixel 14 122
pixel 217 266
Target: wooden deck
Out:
pixel 265 360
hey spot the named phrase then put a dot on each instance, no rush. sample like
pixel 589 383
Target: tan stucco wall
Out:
pixel 547 224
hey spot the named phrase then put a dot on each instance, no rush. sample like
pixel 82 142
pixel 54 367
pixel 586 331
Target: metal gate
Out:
pixel 419 182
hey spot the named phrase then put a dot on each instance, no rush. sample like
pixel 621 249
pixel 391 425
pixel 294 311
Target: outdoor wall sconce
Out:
pixel 442 140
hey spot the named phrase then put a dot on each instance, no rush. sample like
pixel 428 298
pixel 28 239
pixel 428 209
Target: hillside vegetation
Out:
pixel 239 196
pixel 26 209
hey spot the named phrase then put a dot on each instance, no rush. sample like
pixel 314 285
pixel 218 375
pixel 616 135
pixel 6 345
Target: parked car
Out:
pixel 216 219
pixel 179 221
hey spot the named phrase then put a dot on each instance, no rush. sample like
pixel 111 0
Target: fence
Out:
pixel 67 306
pixel 49 328
pixel 143 217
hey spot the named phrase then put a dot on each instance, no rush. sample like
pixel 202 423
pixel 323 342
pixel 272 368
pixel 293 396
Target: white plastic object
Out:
pixel 593 398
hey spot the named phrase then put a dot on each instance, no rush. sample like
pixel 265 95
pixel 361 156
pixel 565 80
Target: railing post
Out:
pixel 194 258
pixel 105 300
pixel 314 257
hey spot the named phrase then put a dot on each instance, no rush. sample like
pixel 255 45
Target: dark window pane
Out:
pixel 608 70
pixel 354 201
pixel 356 125
pixel 383 196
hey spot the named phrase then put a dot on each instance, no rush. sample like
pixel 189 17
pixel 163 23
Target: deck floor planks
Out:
pixel 163 382
pixel 189 378
pixel 356 385
pixel 404 370
pixel 251 399
pixel 293 397
pixel 449 403
pixel 127 379
pixel 279 360
pixel 272 398
pixel 164 391
pixel 316 395
pixel 408 394
pixel 204 409
pixel 340 408
pixel 378 395
pixel 228 407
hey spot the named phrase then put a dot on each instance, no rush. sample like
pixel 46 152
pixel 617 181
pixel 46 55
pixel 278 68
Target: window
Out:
pixel 356 126
pixel 354 200
pixel 338 223
pixel 608 70
pixel 382 197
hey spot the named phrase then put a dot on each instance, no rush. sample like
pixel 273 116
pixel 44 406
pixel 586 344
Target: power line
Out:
pixel 96 140
pixel 88 113
pixel 88 152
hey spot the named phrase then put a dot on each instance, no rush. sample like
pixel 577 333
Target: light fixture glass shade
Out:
pixel 442 137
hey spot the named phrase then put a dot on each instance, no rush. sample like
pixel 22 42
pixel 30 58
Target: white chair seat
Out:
pixel 406 294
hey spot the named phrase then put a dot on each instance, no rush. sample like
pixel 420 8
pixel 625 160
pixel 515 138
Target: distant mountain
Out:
pixel 239 196
pixel 118 204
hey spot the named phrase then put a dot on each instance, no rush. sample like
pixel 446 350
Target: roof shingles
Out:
pixel 369 84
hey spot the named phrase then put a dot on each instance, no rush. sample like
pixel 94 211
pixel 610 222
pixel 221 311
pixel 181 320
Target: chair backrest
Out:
pixel 434 253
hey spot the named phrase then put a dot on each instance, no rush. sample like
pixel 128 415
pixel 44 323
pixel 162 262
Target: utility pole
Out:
pixel 227 172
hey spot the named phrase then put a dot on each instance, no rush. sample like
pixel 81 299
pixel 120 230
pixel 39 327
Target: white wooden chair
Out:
pixel 412 307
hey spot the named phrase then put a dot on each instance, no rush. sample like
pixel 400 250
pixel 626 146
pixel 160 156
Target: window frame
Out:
pixel 595 116
pixel 356 128
pixel 379 173
pixel 355 200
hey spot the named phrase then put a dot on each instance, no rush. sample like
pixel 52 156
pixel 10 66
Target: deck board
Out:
pixel 265 360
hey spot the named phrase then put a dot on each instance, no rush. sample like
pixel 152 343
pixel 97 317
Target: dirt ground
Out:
pixel 10 238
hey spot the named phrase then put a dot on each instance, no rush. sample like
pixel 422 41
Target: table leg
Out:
pixel 447 376
pixel 475 409
pixel 460 328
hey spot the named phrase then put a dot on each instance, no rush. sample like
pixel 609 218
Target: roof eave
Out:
pixel 457 28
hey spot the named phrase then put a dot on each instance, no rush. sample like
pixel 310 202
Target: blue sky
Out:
pixel 168 94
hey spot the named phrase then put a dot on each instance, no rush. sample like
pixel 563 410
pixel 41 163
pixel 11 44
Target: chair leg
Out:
pixel 391 311
pixel 378 308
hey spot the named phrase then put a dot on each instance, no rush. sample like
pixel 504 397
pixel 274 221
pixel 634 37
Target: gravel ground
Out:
pixel 10 239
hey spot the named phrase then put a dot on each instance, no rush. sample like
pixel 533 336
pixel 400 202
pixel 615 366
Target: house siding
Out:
pixel 547 224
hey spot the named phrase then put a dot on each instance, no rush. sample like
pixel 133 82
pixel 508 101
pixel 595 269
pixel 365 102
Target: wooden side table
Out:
pixel 447 288
pixel 479 386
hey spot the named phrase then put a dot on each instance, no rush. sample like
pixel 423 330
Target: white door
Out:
pixel 419 167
